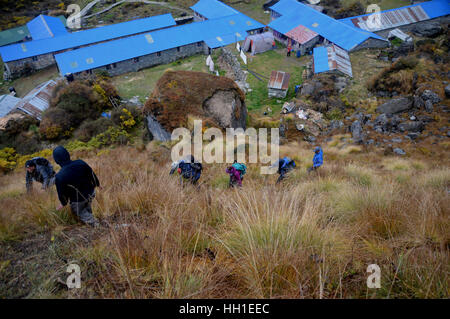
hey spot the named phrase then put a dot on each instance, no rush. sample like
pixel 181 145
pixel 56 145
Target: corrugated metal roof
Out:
pixel 212 9
pixel 295 14
pixel 401 16
pixel 80 38
pixel 43 27
pixel 301 34
pixel 332 58
pixel 279 80
pixel 7 103
pixel 37 100
pixel 217 32
pixel 19 33
pixel 13 35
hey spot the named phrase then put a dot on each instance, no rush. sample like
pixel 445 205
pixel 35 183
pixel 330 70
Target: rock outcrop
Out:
pixel 182 95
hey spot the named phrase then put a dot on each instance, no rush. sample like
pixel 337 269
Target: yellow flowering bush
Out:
pixel 8 159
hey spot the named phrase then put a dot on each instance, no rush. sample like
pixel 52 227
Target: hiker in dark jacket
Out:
pixel 188 169
pixel 285 165
pixel 40 170
pixel 75 183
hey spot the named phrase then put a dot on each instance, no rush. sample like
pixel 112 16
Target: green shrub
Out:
pixel 55 122
pixel 90 128
pixel 8 159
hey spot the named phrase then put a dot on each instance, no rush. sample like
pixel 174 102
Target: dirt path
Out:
pixel 130 1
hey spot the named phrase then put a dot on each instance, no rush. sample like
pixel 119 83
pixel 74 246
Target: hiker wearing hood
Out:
pixel 236 172
pixel 188 169
pixel 317 159
pixel 40 170
pixel 75 183
pixel 285 165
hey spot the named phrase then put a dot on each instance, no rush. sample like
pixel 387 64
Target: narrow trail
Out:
pixel 91 4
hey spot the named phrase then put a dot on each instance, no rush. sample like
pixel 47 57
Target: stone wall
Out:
pixel 18 68
pixel 371 43
pixel 146 61
pixel 239 75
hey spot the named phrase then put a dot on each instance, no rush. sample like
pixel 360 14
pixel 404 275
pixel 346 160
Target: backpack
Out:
pixel 41 161
pixel 241 168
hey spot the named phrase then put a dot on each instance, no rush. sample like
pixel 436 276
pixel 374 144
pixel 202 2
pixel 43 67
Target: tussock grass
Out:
pixel 311 236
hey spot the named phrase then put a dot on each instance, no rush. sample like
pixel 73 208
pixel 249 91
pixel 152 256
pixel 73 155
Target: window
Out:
pixel 114 65
pixel 158 53
pixel 136 60
pixel 35 58
pixel 178 49
pixel 199 44
pixel 108 67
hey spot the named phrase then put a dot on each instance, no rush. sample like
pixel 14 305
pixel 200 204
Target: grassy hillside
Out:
pixel 311 237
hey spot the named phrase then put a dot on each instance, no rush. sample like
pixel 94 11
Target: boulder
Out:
pixel 428 106
pixel 427 29
pixel 429 95
pixel 399 151
pixel 357 132
pixel 416 126
pixel 307 89
pixel 447 91
pixel 396 105
pixel 180 96
pixel 418 102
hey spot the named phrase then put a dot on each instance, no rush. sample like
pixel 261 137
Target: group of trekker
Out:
pixel 190 170
pixel 76 181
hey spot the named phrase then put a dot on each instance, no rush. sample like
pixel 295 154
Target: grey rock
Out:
pixel 418 102
pixel 399 151
pixel 413 135
pixel 310 139
pixel 307 89
pixel 427 29
pixel 429 95
pixel 370 142
pixel 156 131
pixel 428 106
pixel 396 105
pixel 447 91
pixel 335 124
pixel 357 132
pixel 397 140
pixel 416 126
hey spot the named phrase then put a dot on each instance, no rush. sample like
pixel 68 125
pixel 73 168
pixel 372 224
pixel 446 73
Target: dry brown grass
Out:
pixel 311 237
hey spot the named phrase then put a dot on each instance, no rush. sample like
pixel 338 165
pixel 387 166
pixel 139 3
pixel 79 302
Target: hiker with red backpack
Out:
pixel 188 168
pixel 236 172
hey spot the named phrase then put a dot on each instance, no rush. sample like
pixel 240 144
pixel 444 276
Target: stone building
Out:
pixel 158 47
pixel 23 58
pixel 302 27
pixel 404 18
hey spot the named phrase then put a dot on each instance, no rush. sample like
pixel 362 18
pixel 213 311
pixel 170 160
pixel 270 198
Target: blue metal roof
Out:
pixel 320 59
pixel 43 27
pixel 295 14
pixel 217 32
pixel 80 38
pixel 212 9
pixel 434 9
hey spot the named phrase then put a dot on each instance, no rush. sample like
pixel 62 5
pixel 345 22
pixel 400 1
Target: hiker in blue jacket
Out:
pixel 285 165
pixel 317 159
pixel 188 169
